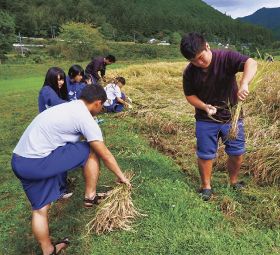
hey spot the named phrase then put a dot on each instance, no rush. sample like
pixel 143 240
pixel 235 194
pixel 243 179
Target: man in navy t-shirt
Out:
pixel 97 65
pixel 210 85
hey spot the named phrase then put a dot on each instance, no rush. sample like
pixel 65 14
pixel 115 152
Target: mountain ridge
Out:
pixel 265 17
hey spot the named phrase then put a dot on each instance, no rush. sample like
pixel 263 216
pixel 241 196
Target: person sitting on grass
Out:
pixel 210 85
pixel 74 82
pixel 51 146
pixel 116 98
pixel 54 92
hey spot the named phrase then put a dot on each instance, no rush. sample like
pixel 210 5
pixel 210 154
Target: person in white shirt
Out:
pixel 116 99
pixel 50 146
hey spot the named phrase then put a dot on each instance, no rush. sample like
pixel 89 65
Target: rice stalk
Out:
pixel 116 211
pixel 253 85
pixel 234 122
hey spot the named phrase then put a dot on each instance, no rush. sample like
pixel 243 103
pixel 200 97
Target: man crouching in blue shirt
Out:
pixel 210 85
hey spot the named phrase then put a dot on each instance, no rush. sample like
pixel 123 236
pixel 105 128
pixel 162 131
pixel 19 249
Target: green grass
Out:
pixel 178 222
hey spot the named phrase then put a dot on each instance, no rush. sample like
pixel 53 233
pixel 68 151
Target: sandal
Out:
pixel 65 241
pixel 239 185
pixel 206 194
pixel 89 202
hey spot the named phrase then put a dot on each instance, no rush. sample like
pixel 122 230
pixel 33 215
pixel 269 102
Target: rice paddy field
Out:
pixel 155 140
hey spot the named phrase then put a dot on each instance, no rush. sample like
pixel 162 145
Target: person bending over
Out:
pixel 210 85
pixel 50 146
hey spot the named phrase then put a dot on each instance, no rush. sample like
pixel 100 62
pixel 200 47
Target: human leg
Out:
pixel 91 174
pixel 207 143
pixel 40 228
pixel 205 171
pixel 235 150
pixel 233 165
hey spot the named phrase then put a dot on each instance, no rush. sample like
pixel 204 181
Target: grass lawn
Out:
pixel 178 222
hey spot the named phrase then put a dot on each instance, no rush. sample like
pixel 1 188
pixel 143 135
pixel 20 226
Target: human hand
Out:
pixel 243 92
pixel 210 109
pixel 127 105
pixel 124 180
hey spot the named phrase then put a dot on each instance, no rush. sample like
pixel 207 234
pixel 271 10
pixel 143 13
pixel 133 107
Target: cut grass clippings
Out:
pixel 116 211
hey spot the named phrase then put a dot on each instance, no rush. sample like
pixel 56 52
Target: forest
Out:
pixel 125 20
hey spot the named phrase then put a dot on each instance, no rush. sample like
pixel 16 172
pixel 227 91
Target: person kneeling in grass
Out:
pixel 116 98
pixel 210 85
pixel 54 92
pixel 51 146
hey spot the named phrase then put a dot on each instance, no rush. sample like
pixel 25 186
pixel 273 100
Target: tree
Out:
pixel 7 33
pixel 80 41
pixel 108 30
pixel 175 38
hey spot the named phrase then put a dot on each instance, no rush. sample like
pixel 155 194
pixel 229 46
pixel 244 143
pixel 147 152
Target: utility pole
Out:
pixel 53 31
pixel 20 43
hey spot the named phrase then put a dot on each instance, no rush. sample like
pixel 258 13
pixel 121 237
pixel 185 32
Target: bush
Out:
pixel 132 51
pixel 80 41
pixel 55 50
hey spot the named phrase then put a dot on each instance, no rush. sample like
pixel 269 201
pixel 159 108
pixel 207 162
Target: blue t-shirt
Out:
pixel 48 98
pixel 74 89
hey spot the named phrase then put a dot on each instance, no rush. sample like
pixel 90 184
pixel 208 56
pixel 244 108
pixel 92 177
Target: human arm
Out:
pixel 96 67
pixel 48 98
pixel 197 103
pixel 121 101
pixel 102 72
pixel 100 149
pixel 250 69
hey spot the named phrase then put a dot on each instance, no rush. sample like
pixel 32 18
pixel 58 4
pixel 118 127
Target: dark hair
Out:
pixel 111 58
pixel 92 93
pixel 86 77
pixel 52 81
pixel 120 79
pixel 75 70
pixel 192 44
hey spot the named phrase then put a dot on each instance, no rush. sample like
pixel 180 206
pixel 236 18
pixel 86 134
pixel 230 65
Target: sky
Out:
pixel 241 8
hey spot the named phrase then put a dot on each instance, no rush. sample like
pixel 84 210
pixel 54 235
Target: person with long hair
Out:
pixel 54 90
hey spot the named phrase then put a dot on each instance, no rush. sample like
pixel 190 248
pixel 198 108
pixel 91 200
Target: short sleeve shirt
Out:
pixel 113 91
pixel 55 127
pixel 216 86
pixel 48 98
pixel 74 89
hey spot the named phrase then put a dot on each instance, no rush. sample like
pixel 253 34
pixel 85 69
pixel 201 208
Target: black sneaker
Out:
pixel 206 194
pixel 239 185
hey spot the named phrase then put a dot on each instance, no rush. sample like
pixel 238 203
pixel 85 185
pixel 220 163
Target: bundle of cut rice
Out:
pixel 237 109
pixel 116 211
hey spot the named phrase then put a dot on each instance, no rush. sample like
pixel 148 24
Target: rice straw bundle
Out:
pixel 236 112
pixel 115 212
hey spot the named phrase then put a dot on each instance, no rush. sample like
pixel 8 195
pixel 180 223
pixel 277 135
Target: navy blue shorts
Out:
pixel 41 177
pixel 115 106
pixel 207 137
